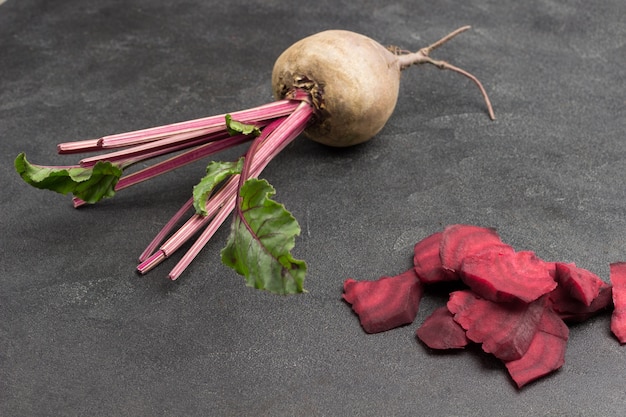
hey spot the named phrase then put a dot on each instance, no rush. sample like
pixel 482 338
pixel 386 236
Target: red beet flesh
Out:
pixel 441 331
pixel 504 329
pixel 428 262
pixel 546 352
pixel 505 275
pixel 583 285
pixel 568 299
pixel 618 318
pixel 386 303
pixel 459 241
pixel 515 306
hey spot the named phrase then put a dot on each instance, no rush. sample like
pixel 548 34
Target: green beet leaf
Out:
pixel 235 128
pixel 216 172
pixel 262 235
pixel 89 184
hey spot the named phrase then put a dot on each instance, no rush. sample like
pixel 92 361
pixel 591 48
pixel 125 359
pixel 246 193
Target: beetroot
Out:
pixel 618 319
pixel 546 352
pixel 386 303
pixel 516 305
pixel 572 310
pixel 427 261
pixel 504 329
pixel 459 241
pixel 506 275
pixel 441 331
pixel 583 285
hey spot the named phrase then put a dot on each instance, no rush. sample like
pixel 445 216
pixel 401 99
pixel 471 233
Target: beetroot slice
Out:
pixel 459 241
pixel 504 329
pixel 546 352
pixel 618 318
pixel 440 331
pixel 572 310
pixel 506 275
pixel 427 261
pixel 385 303
pixel 583 285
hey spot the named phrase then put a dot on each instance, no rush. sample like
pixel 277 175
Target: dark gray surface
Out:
pixel 81 334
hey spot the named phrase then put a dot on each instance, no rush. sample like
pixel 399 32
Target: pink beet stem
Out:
pixel 250 116
pixel 178 161
pixel 205 236
pixel 285 132
pixel 158 147
pixel 194 223
pixel 274 138
pixel 88 145
pixel 151 262
pixel 174 162
pixel 265 112
pixel 166 230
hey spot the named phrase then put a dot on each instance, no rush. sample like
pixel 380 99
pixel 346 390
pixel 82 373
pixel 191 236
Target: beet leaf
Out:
pixel 216 173
pixel 262 235
pixel 235 127
pixel 89 184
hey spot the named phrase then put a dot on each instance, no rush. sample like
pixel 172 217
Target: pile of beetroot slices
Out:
pixel 512 303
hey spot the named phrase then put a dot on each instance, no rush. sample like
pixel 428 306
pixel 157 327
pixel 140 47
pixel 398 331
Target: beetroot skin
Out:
pixel 386 303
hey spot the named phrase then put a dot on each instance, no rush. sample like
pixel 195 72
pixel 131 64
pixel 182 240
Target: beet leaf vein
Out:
pixel 262 235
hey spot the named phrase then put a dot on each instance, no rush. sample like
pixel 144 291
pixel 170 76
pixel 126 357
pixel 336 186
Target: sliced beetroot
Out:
pixel 459 241
pixel 573 310
pixel 582 284
pixel 441 331
pixel 546 352
pixel 427 261
pixel 385 303
pixel 516 306
pixel 506 275
pixel 618 318
pixel 504 329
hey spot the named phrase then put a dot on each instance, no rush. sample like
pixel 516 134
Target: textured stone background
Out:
pixel 82 334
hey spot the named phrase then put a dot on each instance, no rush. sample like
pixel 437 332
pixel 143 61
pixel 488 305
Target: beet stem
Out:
pixel 264 112
pixel 204 238
pixel 151 262
pixel 88 145
pixel 275 137
pixel 169 226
